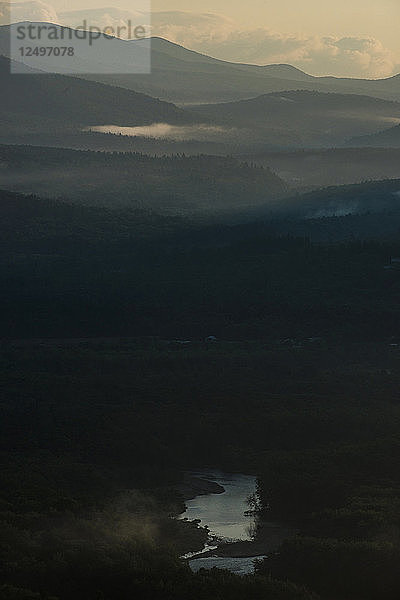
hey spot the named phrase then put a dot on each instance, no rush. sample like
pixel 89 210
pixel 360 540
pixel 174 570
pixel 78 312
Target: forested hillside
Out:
pixel 36 102
pixel 388 138
pixel 303 118
pixel 81 271
pixel 173 185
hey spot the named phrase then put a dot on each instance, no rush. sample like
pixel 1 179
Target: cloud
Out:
pixel 118 19
pixel 199 28
pixel 34 10
pixel 218 36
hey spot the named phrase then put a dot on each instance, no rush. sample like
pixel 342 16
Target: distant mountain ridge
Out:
pixel 314 169
pixel 389 138
pixel 303 118
pixel 185 76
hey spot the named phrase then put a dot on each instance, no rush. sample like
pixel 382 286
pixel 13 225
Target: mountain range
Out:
pixel 186 77
pixel 58 110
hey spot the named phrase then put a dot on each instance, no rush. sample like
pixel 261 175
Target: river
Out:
pixel 225 516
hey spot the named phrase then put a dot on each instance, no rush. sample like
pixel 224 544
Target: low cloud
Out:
pixel 166 131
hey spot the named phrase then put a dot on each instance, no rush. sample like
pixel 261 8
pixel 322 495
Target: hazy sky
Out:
pixel 353 38
pixel 338 37
pixel 378 18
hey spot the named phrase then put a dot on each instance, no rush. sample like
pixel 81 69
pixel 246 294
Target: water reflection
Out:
pixel 226 515
pixel 239 566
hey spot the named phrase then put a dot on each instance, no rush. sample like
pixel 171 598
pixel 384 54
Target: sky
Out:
pixel 355 38
pixel 380 18
pixel 316 21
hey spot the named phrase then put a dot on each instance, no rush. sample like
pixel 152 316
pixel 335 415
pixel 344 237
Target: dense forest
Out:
pixel 80 271
pixel 169 184
pixel 100 431
pixel 103 408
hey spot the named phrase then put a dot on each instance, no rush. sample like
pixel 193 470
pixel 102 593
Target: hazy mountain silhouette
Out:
pixel 304 118
pixel 316 168
pixel 389 138
pixel 184 76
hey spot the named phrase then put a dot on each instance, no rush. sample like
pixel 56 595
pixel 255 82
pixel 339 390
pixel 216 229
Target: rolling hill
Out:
pixel 187 186
pixel 334 166
pixel 339 201
pixel 389 138
pixel 169 185
pixel 301 118
pixel 37 102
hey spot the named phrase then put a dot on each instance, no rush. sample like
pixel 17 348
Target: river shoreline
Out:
pixel 270 535
pixel 268 543
pixel 193 486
